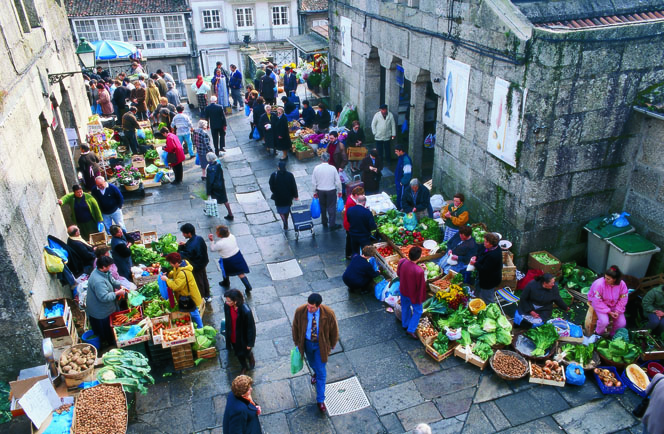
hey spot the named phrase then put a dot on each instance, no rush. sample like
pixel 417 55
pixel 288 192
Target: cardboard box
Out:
pixel 542 380
pixel 26 379
pixel 304 155
pixel 56 321
pixel 466 354
pixel 66 340
pixel 509 269
pixel 98 239
pixel 57 332
pixel 356 153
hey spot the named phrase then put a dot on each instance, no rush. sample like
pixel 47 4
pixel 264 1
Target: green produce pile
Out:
pixel 433 305
pixel 579 353
pixel 204 338
pixel 166 244
pixel 619 349
pixel 143 255
pixel 391 224
pixel 150 290
pixel 299 146
pixel 432 270
pixel 158 307
pixel 545 259
pixel 151 154
pixel 430 229
pixel 576 278
pixel 441 344
pixel 128 368
pixel 478 234
pixel 5 403
pixel 544 337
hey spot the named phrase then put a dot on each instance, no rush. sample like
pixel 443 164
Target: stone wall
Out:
pixel 36 169
pixel 573 157
pixel 645 191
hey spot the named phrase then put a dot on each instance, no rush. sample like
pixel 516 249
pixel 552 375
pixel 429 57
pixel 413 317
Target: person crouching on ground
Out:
pixel 360 274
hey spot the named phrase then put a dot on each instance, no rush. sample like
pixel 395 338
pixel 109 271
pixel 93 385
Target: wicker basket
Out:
pixel 77 378
pixel 132 187
pixel 552 350
pixel 505 376
pixel 588 367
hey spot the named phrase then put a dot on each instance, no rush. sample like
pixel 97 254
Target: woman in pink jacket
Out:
pixel 608 296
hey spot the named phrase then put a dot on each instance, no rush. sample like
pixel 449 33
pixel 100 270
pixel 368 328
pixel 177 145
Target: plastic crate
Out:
pixel 625 379
pixel 610 390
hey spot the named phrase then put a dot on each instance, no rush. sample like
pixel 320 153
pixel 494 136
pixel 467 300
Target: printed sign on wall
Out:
pixel 346 42
pixel 455 95
pixel 506 112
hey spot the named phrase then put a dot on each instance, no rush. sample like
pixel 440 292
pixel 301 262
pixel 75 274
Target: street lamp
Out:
pixel 86 56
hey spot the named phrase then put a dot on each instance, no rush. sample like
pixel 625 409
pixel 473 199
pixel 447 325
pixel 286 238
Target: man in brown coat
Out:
pixel 315 333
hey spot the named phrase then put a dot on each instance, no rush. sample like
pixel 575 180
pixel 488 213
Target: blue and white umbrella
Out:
pixel 109 50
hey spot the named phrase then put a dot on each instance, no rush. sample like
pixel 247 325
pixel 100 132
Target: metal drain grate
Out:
pixel 345 396
pixel 284 270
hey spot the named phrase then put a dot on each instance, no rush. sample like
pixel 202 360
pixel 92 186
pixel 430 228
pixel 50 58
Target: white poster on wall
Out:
pixel 346 42
pixel 506 121
pixel 455 95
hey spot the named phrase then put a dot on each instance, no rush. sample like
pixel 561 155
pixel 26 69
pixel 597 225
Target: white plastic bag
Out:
pixel 437 202
pixel 211 209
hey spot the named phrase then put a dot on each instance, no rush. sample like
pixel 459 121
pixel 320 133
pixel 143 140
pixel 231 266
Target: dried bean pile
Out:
pixel 508 364
pixel 101 410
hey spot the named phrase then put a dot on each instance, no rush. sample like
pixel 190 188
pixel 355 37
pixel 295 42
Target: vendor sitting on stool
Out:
pixel 417 200
pixel 461 252
pixel 653 308
pixel 360 274
pixel 537 298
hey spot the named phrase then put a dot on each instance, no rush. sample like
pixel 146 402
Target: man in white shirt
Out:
pixel 327 187
pixel 384 130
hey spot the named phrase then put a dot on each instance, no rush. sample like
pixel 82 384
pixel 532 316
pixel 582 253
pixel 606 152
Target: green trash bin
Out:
pixel 631 253
pixel 598 248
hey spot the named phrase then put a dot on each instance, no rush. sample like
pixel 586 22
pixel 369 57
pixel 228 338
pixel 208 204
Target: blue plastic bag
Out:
pixel 315 208
pixel 140 134
pixel 572 376
pixel 247 110
pixel 373 263
pixel 379 289
pixel 198 160
pixel 163 287
pixel 410 221
pixel 404 127
pixel 621 221
pixel 340 205
pixel 158 176
pixel 256 134
pixel 100 227
pixel 221 267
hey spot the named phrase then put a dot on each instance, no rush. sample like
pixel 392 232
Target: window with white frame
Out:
pixel 175 31
pixel 131 31
pixel 175 72
pixel 244 17
pixel 86 29
pixel 108 30
pixel 317 23
pixel 152 30
pixel 279 15
pixel 211 19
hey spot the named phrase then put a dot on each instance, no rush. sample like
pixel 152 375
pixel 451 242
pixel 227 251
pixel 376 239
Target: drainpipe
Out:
pixel 194 46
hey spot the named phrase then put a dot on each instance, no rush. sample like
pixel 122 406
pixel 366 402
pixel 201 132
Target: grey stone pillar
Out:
pixel 389 62
pixel 49 148
pixel 64 151
pixel 368 105
pixel 416 125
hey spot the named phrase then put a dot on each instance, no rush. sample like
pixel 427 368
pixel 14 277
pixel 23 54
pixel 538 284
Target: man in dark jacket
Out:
pixel 241 412
pixel 84 253
pixel 489 266
pixel 266 124
pixel 214 114
pixel 121 252
pixel 88 164
pixel 195 251
pixel 129 127
pixel 290 81
pixel 360 274
pixel 362 224
pixel 120 97
pixel 323 118
pixel 235 84
pixel 110 201
pixel 417 200
pixel 267 87
pixel 308 114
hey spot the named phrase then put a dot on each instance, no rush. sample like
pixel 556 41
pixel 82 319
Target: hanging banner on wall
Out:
pixel 346 42
pixel 455 95
pixel 399 76
pixel 506 113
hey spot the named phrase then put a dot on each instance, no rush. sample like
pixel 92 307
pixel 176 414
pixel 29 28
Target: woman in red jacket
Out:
pixel 175 154
pixel 351 201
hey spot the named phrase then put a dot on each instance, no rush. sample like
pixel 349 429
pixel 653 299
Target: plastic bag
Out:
pixel 404 127
pixel 163 287
pixel 621 221
pixel 100 227
pixel 256 134
pixel 343 177
pixel 453 334
pixel 198 160
pixel 247 110
pixel 428 141
pixel 373 263
pixel 410 221
pixel 572 376
pixel 379 289
pixel 211 209
pixel 437 202
pixel 296 363
pixel 340 205
pixel 54 264
pixel 315 208
pixel 61 423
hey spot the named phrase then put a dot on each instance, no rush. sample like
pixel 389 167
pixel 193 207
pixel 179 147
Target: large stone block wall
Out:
pixel 573 158
pixel 645 190
pixel 36 168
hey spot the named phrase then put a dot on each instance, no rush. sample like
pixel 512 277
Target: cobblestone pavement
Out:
pixel 404 386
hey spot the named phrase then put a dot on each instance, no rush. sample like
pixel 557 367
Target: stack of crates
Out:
pixel 60 329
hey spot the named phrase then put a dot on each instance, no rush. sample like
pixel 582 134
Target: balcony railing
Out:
pixel 272 34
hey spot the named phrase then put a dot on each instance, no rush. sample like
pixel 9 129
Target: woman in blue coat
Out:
pixel 241 413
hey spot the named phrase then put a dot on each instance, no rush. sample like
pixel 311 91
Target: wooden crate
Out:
pixel 534 264
pixel 98 239
pixel 304 155
pixel 141 281
pixel 138 161
pixel 509 269
pixel 183 357
pixel 542 380
pixel 433 288
pixel 208 353
pixel 356 153
pixel 148 238
pixel 56 321
pixel 133 341
pixel 184 341
pixel 66 340
pixel 428 342
pixel 164 319
pixel 135 321
pixel 650 282
pixel 466 354
pixel 511 283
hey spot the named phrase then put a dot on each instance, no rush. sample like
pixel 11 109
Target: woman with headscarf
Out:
pixel 153 95
pixel 201 88
pixel 104 100
pixel 220 87
pixel 284 190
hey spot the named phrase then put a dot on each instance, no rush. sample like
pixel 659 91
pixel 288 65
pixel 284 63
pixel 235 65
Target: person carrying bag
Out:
pixel 185 289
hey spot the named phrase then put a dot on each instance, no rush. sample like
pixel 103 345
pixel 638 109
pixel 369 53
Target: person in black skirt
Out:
pixel 240 331
pixel 232 262
pixel 215 187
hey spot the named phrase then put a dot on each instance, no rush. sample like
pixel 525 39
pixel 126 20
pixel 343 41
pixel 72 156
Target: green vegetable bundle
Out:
pixel 157 308
pixel 441 344
pixel 478 234
pixel 205 338
pixel 143 255
pixel 433 305
pixel 430 229
pixel 129 368
pixel 544 337
pixel 545 259
pixel 483 350
pixel 150 290
pixel 579 353
pixel 618 350
pixel 166 244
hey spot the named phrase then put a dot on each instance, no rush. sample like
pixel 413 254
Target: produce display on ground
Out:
pixel 158 307
pixel 581 354
pixel 431 270
pixel 131 369
pixel 619 349
pixel 509 364
pixel 101 410
pixel 123 318
pixel 386 251
pixel 607 377
pixel 79 359
pixel 205 338
pixel 544 337
pixel 551 371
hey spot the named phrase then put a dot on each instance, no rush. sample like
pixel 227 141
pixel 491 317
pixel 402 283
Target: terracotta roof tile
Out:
pixel 313 5
pixel 93 8
pixel 612 20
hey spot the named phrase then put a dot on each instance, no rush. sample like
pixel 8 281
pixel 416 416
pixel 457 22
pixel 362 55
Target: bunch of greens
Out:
pixel 151 154
pixel 618 350
pixel 157 308
pixel 441 344
pixel 544 337
pixel 483 350
pixel 430 230
pixel 143 255
pixel 389 230
pixel 204 338
pixel 576 278
pixel 545 259
pixel 478 234
pixel 128 368
pixel 432 270
pixel 457 279
pixel 433 305
pixel 579 353
pixel 150 290
pixel 166 244
pixel 392 216
pixel 459 318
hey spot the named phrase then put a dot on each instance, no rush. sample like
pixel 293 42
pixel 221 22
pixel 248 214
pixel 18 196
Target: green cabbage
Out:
pixel 488 338
pixel 489 325
pixel 504 323
pixel 503 337
pixel 493 311
pixel 475 330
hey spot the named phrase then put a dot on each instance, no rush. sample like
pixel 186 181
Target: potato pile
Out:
pixel 551 371
pixel 79 359
pixel 508 364
pixel 101 410
pixel 425 328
